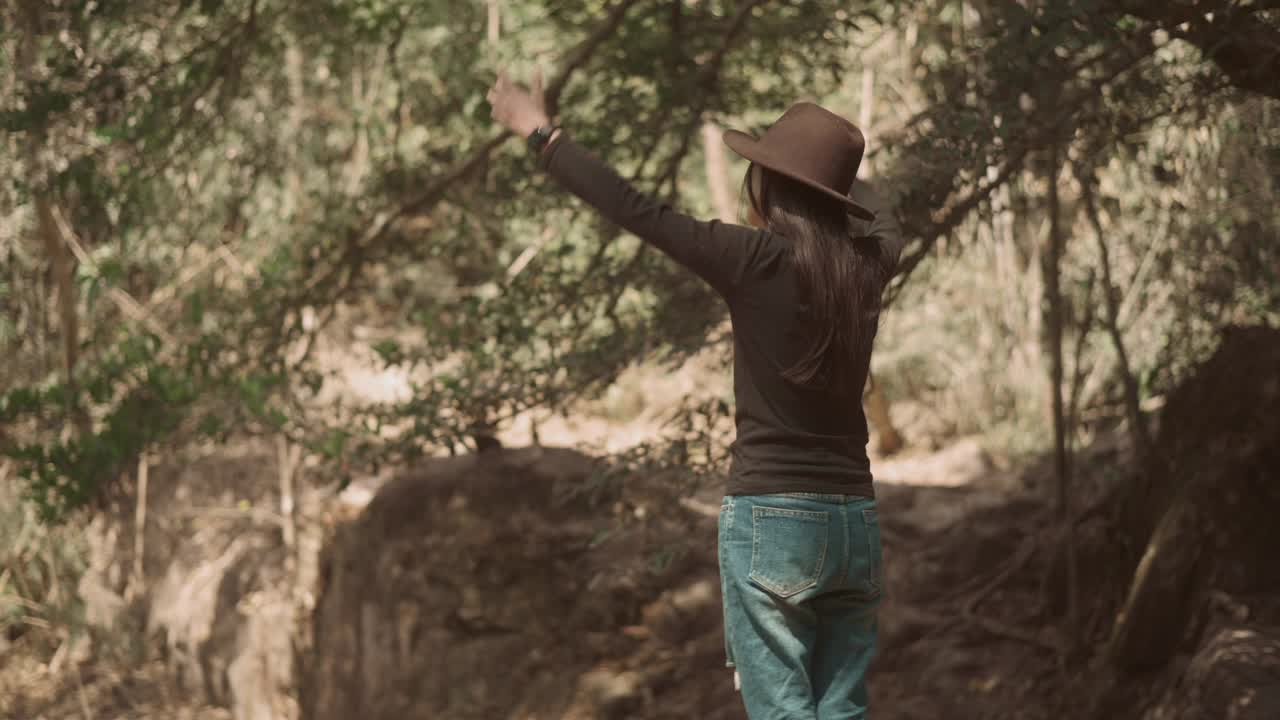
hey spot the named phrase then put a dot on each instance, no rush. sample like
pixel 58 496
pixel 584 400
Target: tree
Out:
pixel 205 166
pixel 267 170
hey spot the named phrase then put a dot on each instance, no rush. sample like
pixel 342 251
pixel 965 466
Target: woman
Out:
pixel 799 544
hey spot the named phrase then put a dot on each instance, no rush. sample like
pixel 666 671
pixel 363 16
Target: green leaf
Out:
pixel 389 351
pixel 334 444
pixel 110 133
pixel 276 418
pixel 194 308
pixel 210 425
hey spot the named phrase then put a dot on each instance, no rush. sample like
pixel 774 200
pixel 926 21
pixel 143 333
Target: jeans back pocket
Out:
pixel 871 526
pixel 788 548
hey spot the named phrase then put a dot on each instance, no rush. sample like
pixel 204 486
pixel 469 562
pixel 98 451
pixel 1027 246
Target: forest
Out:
pixel 321 401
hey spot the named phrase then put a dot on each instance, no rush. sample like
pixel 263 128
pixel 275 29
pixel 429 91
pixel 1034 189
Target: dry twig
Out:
pixel 138 581
pixel 130 307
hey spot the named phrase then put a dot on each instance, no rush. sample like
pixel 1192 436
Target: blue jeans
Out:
pixel 800 575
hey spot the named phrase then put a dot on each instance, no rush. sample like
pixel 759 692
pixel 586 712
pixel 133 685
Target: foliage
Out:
pixel 248 179
pixel 1155 131
pixel 250 171
pixel 39 569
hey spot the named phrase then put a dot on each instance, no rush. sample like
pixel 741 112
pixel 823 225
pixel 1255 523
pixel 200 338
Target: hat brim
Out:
pixel 751 149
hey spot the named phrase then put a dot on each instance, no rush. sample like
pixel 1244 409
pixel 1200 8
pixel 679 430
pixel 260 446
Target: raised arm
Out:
pixel 720 253
pixel 885 228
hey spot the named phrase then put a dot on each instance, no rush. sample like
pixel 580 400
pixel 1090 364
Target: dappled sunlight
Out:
pixel 374 359
pixel 960 464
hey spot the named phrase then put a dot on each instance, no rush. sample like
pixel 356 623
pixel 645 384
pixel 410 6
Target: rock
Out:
pixel 1205 515
pixel 1233 676
pixel 612 694
pixel 677 613
pixel 260 676
pixel 100 585
pixel 504 603
pixel 199 610
pixel 1236 675
pixel 215 598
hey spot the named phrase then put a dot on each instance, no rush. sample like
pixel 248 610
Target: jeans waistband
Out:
pixel 825 497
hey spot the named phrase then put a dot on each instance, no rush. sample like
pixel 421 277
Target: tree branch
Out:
pixel 354 255
pixel 955 210
pixel 1237 38
pixel 583 52
pixel 946 220
pixel 706 81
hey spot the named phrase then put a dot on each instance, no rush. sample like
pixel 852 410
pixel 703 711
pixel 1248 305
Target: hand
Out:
pixel 520 111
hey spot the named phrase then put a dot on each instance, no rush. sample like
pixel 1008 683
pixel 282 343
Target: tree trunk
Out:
pixel 1162 595
pixel 1052 307
pixel 61 263
pixel 1212 499
pixel 138 579
pixel 63 268
pixel 717 172
pixel 293 70
pixel 288 458
pixel 865 171
pixel 495 23
pixel 874 402
pixel 876 405
pixel 1140 434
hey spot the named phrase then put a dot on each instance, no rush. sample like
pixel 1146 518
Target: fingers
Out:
pixel 495 92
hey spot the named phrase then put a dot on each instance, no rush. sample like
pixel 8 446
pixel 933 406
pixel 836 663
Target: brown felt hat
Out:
pixel 812 145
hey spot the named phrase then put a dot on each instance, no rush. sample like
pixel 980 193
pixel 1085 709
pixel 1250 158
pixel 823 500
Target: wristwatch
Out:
pixel 538 138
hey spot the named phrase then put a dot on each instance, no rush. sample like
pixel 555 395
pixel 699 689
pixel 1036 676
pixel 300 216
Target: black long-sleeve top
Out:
pixel 790 438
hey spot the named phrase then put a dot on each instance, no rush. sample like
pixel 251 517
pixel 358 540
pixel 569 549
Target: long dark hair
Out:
pixel 840 274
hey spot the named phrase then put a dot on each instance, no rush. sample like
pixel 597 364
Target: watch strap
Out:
pixel 538 139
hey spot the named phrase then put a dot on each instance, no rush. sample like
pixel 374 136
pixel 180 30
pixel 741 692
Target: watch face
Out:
pixel 538 138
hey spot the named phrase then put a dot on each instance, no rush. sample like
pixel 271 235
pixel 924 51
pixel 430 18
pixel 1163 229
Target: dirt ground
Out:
pixel 478 588
pixel 949 540
pixel 965 631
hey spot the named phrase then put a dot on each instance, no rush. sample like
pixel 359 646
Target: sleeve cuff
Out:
pixel 544 158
